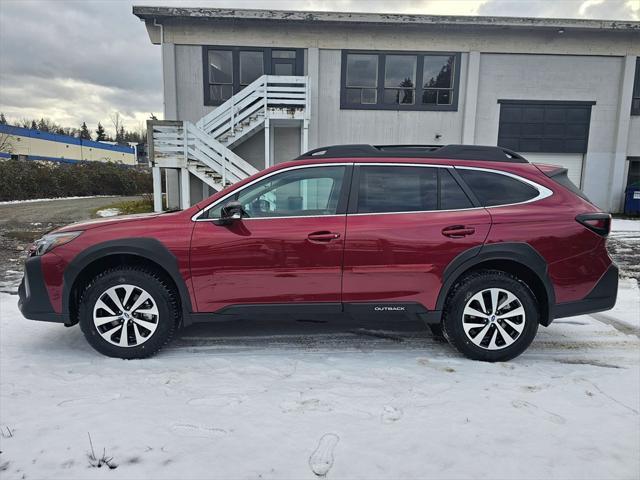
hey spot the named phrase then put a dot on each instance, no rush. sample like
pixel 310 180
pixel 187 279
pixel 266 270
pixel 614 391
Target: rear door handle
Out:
pixel 458 231
pixel 323 236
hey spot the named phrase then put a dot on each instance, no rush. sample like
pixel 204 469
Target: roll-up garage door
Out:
pixel 553 132
pixel 571 161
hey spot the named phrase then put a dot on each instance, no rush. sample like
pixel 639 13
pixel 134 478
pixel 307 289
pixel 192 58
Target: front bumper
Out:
pixel 602 297
pixel 33 298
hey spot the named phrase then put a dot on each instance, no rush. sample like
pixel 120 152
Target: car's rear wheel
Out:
pixel 491 315
pixel 128 312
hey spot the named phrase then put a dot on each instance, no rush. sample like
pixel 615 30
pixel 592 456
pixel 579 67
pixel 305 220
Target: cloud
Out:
pixel 77 61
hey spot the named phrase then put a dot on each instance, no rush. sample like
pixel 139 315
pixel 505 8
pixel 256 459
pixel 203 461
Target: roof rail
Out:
pixel 454 152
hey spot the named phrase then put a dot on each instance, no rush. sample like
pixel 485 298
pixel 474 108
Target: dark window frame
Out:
pixel 635 100
pixel 453 107
pixel 235 59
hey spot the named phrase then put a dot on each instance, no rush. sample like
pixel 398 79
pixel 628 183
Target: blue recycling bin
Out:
pixel 632 200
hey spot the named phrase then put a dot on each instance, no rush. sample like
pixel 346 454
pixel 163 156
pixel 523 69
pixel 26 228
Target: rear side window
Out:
pixel 496 189
pixel 408 189
pixel 397 189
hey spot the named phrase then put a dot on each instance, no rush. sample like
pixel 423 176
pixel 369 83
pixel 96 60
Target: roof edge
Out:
pixel 151 12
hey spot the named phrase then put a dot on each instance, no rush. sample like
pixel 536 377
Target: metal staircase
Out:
pixel 205 148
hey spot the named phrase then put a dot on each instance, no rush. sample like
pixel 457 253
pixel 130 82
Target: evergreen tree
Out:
pixel 3 121
pixel 84 132
pixel 43 125
pixel 34 125
pixel 100 133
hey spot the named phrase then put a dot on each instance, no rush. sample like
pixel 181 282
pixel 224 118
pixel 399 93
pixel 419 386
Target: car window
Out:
pixel 397 189
pixel 452 197
pixel 497 189
pixel 301 192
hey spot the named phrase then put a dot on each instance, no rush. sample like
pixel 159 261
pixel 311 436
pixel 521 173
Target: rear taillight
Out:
pixel 597 222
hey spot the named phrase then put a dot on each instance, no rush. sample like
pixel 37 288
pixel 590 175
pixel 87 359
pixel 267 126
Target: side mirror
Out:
pixel 230 213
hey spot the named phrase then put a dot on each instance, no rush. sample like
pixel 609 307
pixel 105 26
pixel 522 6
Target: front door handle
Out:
pixel 458 231
pixel 323 236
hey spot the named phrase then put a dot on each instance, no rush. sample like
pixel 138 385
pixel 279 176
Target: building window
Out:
pixel 251 67
pixel 220 75
pixel 227 70
pixel 635 102
pixel 399 80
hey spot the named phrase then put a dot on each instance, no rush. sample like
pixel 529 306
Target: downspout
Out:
pixel 164 100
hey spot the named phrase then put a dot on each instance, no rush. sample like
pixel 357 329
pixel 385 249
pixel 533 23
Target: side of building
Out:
pixel 31 144
pixel 558 91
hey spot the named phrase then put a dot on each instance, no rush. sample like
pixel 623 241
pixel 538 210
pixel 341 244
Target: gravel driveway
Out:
pixel 21 223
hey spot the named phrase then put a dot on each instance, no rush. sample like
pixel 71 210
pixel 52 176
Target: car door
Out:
pixel 405 224
pixel 287 247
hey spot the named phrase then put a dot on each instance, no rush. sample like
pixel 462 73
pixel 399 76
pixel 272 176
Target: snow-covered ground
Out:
pixel 108 212
pixel 625 225
pixel 287 400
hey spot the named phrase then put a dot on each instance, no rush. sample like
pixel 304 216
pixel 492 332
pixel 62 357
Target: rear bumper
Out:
pixel 602 297
pixel 33 298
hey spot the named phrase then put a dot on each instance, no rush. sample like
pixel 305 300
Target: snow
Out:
pixel 108 212
pixel 11 202
pixel 625 225
pixel 299 400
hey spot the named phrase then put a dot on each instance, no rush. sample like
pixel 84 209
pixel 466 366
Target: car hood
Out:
pixel 102 222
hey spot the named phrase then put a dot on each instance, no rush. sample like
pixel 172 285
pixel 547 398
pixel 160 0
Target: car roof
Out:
pixel 448 152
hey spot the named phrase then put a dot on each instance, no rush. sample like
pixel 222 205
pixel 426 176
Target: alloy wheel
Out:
pixel 125 315
pixel 493 318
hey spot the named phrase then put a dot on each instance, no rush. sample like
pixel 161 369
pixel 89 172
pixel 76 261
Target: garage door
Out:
pixel 571 161
pixel 554 132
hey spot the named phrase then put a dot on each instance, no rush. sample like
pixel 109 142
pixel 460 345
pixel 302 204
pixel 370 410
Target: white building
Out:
pixel 250 88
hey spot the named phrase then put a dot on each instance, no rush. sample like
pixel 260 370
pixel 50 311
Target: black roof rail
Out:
pixel 454 152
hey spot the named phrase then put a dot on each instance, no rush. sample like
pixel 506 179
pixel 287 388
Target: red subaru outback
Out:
pixel 475 241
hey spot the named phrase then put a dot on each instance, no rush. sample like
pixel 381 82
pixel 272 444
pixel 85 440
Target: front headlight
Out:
pixel 51 241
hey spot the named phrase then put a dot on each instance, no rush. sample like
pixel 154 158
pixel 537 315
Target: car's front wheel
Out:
pixel 128 312
pixel 491 316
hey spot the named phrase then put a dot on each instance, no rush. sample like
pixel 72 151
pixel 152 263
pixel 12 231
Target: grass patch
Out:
pixel 144 205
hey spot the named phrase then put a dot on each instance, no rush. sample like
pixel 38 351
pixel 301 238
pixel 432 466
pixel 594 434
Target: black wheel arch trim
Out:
pixel 150 249
pixel 518 252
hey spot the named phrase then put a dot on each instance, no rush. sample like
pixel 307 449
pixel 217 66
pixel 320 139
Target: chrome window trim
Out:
pixel 543 192
pixel 414 211
pixel 195 218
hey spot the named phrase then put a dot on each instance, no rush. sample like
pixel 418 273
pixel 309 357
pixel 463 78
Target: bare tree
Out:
pixel 6 145
pixel 116 121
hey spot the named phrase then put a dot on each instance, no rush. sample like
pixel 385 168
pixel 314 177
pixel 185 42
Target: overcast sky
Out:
pixel 82 60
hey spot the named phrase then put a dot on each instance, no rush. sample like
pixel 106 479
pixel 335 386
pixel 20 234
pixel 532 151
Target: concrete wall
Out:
pixel 379 126
pixel 252 150
pixel 189 83
pixel 555 77
pixel 404 37
pixel 633 149
pixel 286 144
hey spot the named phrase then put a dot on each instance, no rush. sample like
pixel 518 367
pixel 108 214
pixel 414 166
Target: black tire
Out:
pixel 470 285
pixel 437 333
pixel 163 296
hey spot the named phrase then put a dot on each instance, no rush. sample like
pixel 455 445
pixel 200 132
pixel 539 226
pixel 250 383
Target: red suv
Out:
pixel 475 241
